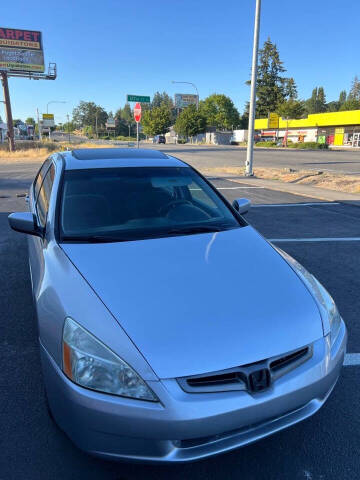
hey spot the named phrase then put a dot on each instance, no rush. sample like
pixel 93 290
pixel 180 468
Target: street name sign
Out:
pixel 137 98
pixel 137 112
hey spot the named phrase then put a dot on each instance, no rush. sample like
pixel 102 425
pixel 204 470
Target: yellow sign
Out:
pixel 48 116
pixel 273 120
pixel 339 130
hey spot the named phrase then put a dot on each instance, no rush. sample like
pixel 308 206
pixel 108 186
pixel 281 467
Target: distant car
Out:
pixel 170 330
pixel 159 139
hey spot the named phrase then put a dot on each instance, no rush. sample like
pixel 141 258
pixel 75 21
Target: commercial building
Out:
pixel 333 128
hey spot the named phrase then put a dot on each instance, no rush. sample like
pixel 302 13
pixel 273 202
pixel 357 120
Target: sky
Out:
pixel 106 49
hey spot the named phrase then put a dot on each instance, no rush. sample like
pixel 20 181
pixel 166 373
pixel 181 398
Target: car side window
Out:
pixel 40 177
pixel 42 203
pixel 199 195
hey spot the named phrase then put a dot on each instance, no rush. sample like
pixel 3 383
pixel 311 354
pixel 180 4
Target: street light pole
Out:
pixel 68 122
pixel 250 147
pixel 39 126
pixel 195 87
pixel 47 111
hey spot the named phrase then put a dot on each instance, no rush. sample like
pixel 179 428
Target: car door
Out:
pixel 39 206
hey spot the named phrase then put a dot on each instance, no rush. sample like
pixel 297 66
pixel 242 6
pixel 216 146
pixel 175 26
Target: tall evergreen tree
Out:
pixel 317 102
pixel 354 93
pixel 321 100
pixel 270 90
pixel 342 97
pixel 290 89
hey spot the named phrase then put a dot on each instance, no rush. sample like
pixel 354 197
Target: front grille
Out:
pixel 283 362
pixel 243 377
pixel 222 379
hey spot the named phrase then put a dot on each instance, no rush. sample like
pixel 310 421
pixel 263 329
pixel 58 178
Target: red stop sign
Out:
pixel 137 112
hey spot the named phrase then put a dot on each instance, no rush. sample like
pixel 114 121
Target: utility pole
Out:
pixel 250 147
pixel 9 119
pixel 39 126
pixel 67 116
pixel 96 126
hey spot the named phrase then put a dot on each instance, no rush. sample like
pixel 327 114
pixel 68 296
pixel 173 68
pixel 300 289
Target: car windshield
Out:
pixel 120 204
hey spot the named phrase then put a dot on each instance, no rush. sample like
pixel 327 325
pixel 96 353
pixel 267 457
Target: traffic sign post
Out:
pixel 137 116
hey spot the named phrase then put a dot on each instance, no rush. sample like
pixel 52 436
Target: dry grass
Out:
pixel 41 151
pixel 328 180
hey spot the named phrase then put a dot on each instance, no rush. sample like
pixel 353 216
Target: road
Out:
pixel 324 447
pixel 232 156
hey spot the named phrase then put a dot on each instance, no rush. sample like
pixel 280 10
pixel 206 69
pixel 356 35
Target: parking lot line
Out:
pixel 235 188
pixel 318 239
pixel 308 204
pixel 352 359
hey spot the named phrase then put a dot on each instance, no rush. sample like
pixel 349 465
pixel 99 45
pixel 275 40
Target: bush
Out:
pixel 266 144
pixel 181 141
pixel 311 146
pixel 126 139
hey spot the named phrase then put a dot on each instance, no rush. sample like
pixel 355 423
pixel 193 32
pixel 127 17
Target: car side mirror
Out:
pixel 25 222
pixel 241 205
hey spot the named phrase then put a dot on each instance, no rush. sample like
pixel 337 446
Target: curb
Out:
pixel 303 190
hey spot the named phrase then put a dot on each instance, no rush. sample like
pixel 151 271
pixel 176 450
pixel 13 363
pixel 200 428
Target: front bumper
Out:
pixel 186 427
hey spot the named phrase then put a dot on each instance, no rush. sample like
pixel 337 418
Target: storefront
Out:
pixel 333 128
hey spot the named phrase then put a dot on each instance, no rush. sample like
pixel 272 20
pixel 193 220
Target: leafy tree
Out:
pixel 291 109
pixel 30 121
pixel 156 121
pixel 317 102
pixel 219 111
pixel 163 100
pixel 16 121
pixel 350 104
pixel 354 93
pixel 86 113
pixel 190 122
pixel 68 127
pixel 332 106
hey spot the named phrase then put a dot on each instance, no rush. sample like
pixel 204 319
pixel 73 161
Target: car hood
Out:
pixel 201 303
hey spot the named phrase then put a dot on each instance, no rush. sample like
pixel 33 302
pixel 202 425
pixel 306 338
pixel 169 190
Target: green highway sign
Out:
pixel 137 98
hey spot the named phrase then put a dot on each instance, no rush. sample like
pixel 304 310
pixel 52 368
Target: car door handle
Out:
pixel 27 200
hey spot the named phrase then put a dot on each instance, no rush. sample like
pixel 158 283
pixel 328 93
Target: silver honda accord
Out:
pixel 170 329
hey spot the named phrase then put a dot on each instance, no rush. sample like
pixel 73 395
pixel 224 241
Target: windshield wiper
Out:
pixel 198 229
pixel 93 239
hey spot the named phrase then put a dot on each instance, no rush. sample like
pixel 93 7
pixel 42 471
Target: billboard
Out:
pixel 110 123
pixel 182 100
pixel 48 120
pixel 21 50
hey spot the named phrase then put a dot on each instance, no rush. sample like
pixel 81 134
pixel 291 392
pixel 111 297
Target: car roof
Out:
pixel 85 158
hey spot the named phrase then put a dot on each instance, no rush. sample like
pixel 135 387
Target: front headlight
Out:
pixel 89 363
pixel 330 315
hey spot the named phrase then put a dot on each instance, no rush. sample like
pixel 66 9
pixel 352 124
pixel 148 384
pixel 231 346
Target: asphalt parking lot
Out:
pixel 324 237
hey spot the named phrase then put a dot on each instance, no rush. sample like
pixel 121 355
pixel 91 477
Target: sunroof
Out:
pixel 108 153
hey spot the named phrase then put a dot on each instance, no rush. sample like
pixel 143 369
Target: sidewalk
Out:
pixel 305 190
